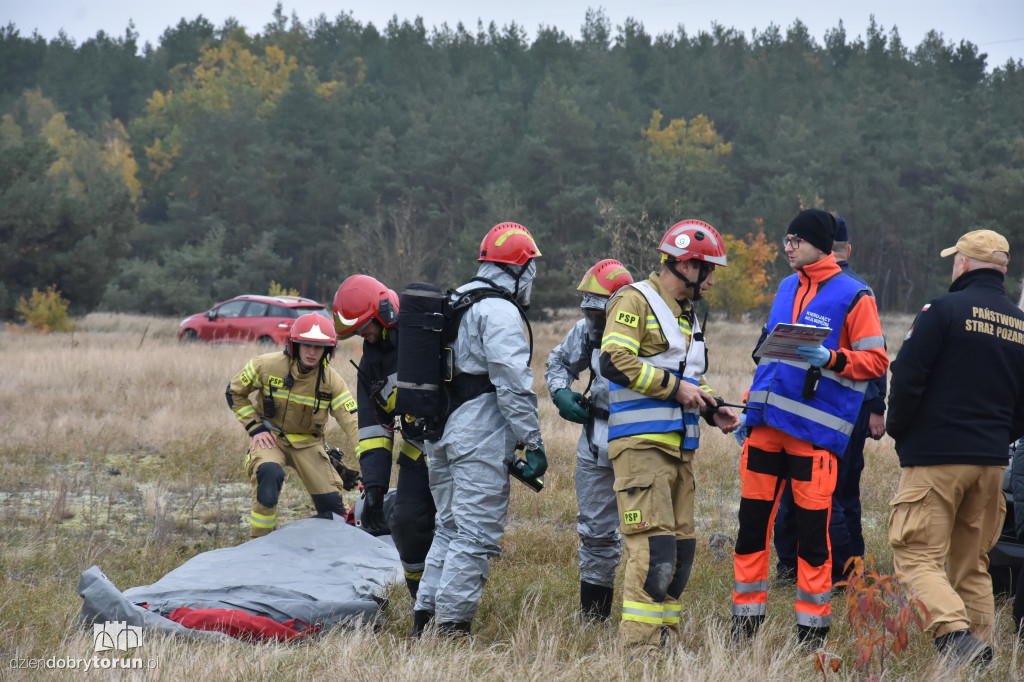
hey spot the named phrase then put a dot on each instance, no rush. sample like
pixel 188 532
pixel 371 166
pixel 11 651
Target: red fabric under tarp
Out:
pixel 240 625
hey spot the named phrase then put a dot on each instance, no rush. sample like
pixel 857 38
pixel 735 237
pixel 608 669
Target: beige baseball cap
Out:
pixel 983 245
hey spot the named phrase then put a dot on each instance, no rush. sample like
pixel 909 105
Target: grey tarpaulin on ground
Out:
pixel 321 572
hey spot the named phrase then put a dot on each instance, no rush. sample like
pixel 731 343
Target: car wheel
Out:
pixel 189 336
pixel 266 341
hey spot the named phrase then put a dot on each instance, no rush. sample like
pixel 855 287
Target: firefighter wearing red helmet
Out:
pixel 297 391
pixel 365 307
pixel 597 522
pixel 495 407
pixel 654 356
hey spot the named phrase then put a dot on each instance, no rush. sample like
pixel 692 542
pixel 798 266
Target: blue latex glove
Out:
pixel 536 463
pixel 743 431
pixel 818 356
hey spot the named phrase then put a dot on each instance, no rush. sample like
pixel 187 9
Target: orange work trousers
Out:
pixel 770 458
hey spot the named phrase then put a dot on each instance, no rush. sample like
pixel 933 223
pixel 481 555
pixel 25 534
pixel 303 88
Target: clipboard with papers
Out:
pixel 782 343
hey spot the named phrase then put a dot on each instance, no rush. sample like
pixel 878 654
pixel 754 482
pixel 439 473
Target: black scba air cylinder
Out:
pixel 420 323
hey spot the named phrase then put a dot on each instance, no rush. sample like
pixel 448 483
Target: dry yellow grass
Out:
pixel 119 451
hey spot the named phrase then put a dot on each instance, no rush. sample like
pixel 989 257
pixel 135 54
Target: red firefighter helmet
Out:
pixel 508 243
pixel 605 278
pixel 315 330
pixel 361 298
pixel 693 239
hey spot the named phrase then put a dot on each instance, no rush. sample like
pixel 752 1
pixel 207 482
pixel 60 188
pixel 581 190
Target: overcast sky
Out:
pixel 995 26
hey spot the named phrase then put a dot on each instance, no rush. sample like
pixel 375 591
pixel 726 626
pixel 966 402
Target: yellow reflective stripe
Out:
pixel 249 377
pixel 414 576
pixel 620 340
pixel 684 326
pixel 299 437
pixel 370 443
pixel 344 400
pixel 410 451
pixel 262 520
pixel 643 613
pixel 673 438
pixel 671 613
pixel 508 233
pixel 643 382
pixel 243 413
pixel 292 397
pixel 652 322
pixel 389 406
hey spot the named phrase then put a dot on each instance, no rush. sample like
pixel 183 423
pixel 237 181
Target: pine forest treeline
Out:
pixel 164 179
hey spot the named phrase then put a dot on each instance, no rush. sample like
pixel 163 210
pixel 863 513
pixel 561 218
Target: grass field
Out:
pixel 119 451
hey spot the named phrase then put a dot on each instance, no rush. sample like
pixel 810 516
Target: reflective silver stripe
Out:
pixel 375 431
pixel 389 385
pixel 414 568
pixel 417 387
pixel 757 397
pixel 649 415
pixel 820 598
pixel 818 416
pixel 643 613
pixel 751 610
pixel 750 588
pixel 810 620
pixel 421 293
pixel 868 342
pixel 621 395
pixel 860 386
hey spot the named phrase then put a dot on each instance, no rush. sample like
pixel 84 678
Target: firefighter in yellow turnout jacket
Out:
pixel 654 358
pixel 287 420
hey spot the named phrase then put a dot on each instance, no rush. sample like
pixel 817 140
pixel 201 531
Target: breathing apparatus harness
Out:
pixel 429 391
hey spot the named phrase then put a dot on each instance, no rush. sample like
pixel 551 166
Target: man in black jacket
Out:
pixel 956 401
pixel 365 307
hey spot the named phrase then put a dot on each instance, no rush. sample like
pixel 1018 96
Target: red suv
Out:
pixel 266 319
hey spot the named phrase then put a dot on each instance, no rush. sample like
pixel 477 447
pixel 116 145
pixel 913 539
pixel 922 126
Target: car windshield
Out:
pixel 299 311
pixel 312 309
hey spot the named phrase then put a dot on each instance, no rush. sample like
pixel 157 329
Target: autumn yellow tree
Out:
pixel 744 284
pixel 694 142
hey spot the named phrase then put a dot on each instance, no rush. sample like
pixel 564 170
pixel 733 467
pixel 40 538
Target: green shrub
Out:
pixel 46 311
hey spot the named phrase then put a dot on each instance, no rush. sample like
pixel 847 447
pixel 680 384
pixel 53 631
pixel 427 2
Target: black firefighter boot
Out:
pixel 811 637
pixel 420 621
pixel 745 627
pixel 595 601
pixel 454 629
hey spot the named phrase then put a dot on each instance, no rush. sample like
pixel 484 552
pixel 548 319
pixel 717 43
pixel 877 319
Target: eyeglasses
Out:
pixel 792 242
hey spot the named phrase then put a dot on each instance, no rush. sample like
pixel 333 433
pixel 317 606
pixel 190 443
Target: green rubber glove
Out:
pixel 536 463
pixel 569 407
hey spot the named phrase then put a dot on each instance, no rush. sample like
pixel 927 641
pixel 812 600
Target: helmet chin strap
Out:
pixel 703 271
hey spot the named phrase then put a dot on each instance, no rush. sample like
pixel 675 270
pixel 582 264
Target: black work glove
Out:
pixel 372 520
pixel 349 477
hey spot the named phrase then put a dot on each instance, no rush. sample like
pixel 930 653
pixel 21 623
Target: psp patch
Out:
pixel 632 517
pixel 628 319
